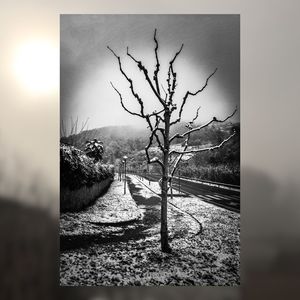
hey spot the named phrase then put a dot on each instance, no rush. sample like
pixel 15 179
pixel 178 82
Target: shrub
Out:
pixel 94 149
pixel 77 169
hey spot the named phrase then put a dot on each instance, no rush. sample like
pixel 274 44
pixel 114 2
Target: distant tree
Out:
pixel 160 121
pixel 94 149
pixel 67 134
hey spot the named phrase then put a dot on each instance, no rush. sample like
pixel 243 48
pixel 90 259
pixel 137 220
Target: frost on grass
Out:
pixel 113 207
pixel 209 258
pixel 142 263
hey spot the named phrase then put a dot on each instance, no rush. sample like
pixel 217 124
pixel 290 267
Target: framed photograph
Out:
pixel 150 150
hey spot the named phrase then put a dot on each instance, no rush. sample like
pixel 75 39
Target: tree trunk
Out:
pixel 164 193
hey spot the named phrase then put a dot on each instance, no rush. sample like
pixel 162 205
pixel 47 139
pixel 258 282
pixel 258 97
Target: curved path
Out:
pixel 142 228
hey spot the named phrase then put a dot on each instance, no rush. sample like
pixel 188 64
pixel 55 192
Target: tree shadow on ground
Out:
pixel 131 230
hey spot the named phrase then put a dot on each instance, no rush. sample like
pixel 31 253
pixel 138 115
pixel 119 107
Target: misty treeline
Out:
pixel 222 165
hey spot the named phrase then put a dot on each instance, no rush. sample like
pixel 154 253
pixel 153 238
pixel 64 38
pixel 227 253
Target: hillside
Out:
pixel 131 141
pixel 118 140
pixel 106 134
pixel 122 140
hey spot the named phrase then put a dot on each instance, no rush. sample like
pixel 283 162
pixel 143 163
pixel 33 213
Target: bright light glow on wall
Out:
pixel 36 66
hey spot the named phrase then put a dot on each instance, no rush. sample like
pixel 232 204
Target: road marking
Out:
pixel 226 197
pixel 204 198
pixel 235 197
pixel 213 197
pixel 220 197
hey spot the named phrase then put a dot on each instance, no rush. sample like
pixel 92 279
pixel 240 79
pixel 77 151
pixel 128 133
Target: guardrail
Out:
pixel 233 186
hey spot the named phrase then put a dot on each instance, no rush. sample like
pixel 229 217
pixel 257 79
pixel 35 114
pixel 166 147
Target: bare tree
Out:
pixel 73 129
pixel 161 120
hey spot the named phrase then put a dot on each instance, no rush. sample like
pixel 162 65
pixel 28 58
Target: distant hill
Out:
pixel 127 140
pixel 106 134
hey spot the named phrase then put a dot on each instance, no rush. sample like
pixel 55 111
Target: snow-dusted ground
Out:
pixel 112 207
pixel 130 254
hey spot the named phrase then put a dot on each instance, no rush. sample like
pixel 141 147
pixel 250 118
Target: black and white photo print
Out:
pixel 150 150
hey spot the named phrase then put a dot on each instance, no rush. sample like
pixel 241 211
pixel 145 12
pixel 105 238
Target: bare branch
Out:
pixel 155 77
pixel 145 71
pixel 84 125
pixel 156 113
pixel 176 54
pixel 158 118
pixel 180 156
pixel 155 159
pixel 172 86
pixel 76 123
pixel 142 112
pixel 197 114
pixel 72 126
pixel 204 149
pixel 176 135
pixel 164 92
pixel 214 119
pixel 158 142
pixel 169 81
pixel 188 93
pixel 130 82
pixel 154 132
pixel 121 100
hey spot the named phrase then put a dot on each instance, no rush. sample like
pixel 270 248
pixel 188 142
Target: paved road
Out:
pixel 225 198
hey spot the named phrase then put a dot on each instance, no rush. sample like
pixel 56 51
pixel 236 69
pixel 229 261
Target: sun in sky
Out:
pixel 36 66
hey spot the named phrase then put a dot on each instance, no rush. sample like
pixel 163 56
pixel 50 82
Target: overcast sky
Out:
pixel 87 67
